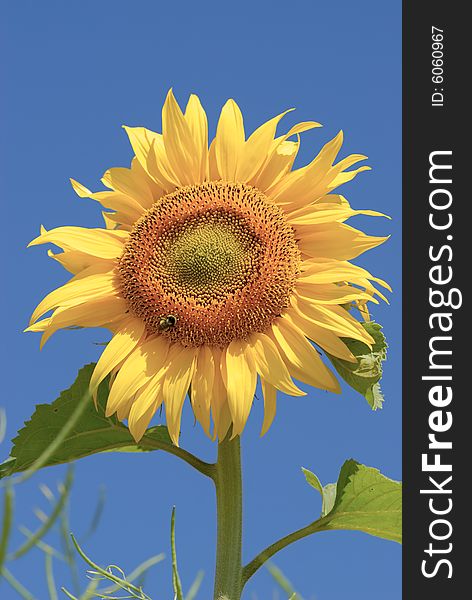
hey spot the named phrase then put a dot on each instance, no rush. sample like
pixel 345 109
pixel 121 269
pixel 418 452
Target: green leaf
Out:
pixel 328 492
pixel 363 499
pixel 365 374
pixel 92 433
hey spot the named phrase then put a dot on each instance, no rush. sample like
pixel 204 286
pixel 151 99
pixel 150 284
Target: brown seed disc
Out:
pixel 209 264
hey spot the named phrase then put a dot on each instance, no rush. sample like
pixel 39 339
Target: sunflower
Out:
pixel 217 265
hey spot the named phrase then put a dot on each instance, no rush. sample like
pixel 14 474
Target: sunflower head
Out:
pixel 218 265
pixel 218 256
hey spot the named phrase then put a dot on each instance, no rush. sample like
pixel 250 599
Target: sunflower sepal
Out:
pixel 365 374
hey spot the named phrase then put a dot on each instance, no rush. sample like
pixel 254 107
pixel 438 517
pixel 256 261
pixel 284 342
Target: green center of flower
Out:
pixel 210 254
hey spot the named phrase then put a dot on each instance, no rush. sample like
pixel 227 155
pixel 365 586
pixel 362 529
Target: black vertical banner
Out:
pixel 437 249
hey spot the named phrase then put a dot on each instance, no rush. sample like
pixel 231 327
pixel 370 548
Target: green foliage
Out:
pixel 328 491
pixel 3 424
pixel 7 522
pixel 121 583
pixel 73 427
pixel 47 524
pixel 176 582
pixel 365 374
pixel 363 499
pixel 92 433
pixel 283 582
pixel 194 588
pixel 113 577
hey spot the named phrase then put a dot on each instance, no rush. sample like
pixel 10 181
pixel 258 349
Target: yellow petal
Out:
pixel 140 173
pixel 109 224
pixel 112 200
pixel 241 378
pixel 270 365
pixel 302 186
pixel 197 122
pixel 138 421
pixel 336 175
pixel 77 291
pixel 370 289
pixel 141 139
pixel 183 155
pixel 202 387
pixel 301 128
pixel 331 293
pixel 118 349
pixel 278 164
pixel 123 411
pixel 39 326
pixel 334 199
pixel 321 336
pixel 128 182
pixel 101 243
pixel 336 319
pixel 270 405
pixel 256 150
pixel 219 400
pixel 119 221
pixel 303 360
pixel 345 163
pixel 144 407
pixel 94 313
pixel 212 165
pixel 337 241
pixel 145 362
pixel 281 157
pixel 345 177
pixel 319 213
pixel 80 190
pixel 319 272
pixel 149 149
pixel 313 182
pixel 74 261
pixel 229 141
pixel 179 373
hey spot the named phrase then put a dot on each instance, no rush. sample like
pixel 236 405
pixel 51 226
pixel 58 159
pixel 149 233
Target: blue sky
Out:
pixel 75 72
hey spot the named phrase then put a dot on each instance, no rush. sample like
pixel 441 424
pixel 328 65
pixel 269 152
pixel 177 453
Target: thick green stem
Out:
pixel 228 481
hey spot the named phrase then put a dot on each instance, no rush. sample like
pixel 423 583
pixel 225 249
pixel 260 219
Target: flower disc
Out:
pixel 209 264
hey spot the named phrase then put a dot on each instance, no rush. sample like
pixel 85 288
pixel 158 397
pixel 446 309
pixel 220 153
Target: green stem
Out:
pixel 205 468
pixel 264 556
pixel 228 482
